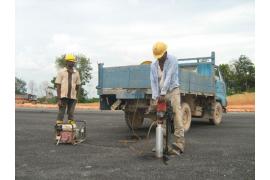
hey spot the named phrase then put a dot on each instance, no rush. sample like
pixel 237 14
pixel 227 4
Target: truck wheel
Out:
pixel 216 115
pixel 134 121
pixel 186 116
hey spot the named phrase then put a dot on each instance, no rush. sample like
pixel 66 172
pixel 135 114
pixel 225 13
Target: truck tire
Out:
pixel 216 115
pixel 134 121
pixel 186 116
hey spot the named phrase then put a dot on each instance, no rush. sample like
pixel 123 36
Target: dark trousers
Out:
pixel 68 104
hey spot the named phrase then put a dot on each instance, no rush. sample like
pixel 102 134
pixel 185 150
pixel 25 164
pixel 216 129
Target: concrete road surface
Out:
pixel 112 152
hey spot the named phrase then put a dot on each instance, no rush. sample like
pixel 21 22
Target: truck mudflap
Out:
pixel 224 109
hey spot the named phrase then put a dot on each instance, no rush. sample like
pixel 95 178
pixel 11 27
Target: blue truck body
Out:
pixel 199 79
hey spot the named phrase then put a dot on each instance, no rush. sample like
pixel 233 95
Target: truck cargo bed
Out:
pixel 138 77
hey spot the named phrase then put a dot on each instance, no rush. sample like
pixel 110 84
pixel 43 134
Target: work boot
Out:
pixel 72 122
pixel 59 122
pixel 172 151
pixel 179 144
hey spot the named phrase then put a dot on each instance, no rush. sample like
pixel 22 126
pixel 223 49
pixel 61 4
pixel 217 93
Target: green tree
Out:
pixel 226 72
pixel 239 75
pixel 53 83
pixel 20 86
pixel 227 75
pixel 83 65
pixel 244 74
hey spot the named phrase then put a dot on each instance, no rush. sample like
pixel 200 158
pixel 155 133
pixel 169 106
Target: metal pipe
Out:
pixel 159 141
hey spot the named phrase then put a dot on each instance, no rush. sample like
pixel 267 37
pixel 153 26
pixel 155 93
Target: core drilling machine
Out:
pixel 164 113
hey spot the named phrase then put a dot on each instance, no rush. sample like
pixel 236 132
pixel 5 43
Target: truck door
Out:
pixel 220 87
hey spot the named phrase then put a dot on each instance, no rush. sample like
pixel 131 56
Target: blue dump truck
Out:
pixel 128 88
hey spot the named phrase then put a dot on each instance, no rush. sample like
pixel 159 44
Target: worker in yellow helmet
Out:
pixel 165 87
pixel 68 83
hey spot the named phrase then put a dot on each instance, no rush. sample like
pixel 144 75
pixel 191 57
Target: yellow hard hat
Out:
pixel 70 57
pixel 159 49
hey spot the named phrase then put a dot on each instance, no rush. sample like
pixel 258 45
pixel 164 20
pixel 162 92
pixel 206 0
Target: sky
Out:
pixel 122 32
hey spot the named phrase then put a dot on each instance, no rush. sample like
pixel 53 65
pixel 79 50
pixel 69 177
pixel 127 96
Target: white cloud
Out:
pixel 64 43
pixel 122 33
pixel 241 13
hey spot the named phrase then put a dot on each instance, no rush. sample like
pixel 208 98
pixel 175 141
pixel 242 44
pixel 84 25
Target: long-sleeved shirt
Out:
pixel 170 76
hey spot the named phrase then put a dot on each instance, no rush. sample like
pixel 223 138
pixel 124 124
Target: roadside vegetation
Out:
pixel 239 76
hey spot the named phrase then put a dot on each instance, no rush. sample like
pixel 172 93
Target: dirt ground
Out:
pixel 241 102
pixel 236 103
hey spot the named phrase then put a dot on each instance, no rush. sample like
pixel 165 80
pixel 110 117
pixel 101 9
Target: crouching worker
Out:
pixel 68 83
pixel 165 87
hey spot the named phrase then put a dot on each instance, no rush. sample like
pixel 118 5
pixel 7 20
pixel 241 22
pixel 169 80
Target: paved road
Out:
pixel 224 152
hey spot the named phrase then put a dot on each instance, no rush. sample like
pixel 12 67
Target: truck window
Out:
pixel 216 73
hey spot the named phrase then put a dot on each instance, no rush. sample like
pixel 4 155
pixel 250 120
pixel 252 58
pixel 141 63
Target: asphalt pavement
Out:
pixel 111 150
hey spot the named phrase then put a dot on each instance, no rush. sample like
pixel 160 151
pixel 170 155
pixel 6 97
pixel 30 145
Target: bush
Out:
pixel 86 100
pixel 52 100
pixel 43 100
pixel 93 100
